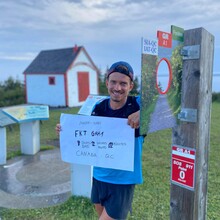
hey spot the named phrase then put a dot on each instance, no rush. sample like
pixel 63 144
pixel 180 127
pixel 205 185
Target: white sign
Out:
pixel 97 141
pixel 150 46
pixel 89 104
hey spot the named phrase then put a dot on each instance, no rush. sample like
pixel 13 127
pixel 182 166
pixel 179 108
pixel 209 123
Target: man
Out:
pixel 112 190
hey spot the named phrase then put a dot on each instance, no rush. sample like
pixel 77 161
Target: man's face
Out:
pixel 119 85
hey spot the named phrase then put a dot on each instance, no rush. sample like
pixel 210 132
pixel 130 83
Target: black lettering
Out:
pixel 80 133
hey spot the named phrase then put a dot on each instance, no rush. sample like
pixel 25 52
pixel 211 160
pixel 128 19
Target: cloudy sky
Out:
pixel 110 30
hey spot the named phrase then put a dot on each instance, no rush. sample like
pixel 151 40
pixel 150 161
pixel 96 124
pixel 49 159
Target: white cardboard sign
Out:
pixel 97 141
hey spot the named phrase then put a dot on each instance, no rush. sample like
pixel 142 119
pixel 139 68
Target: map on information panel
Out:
pixel 23 113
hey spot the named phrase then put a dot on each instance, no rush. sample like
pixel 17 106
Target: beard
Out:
pixel 115 100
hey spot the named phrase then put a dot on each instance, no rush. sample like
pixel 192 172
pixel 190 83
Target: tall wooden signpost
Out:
pixel 191 137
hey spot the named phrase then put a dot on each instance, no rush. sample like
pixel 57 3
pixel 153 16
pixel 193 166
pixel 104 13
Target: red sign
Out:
pixel 183 166
pixel 164 39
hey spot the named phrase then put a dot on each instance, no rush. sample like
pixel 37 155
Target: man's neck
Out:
pixel 116 105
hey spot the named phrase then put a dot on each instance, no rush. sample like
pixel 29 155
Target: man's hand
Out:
pixel 58 129
pixel 134 119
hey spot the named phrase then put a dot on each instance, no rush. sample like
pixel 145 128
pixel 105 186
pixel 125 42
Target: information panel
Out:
pixel 183 166
pixel 5 120
pixel 22 113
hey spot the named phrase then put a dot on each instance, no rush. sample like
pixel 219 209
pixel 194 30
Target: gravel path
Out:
pixel 162 117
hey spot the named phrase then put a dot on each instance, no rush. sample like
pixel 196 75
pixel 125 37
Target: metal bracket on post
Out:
pixel 190 52
pixel 188 115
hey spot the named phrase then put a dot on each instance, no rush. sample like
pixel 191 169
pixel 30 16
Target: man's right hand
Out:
pixel 58 129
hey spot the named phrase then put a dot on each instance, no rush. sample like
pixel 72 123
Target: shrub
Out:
pixel 12 92
pixel 215 97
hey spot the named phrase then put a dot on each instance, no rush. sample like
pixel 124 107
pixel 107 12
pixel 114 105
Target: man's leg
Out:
pixel 104 215
pixel 99 209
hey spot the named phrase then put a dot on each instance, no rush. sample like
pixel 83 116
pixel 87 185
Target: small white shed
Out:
pixel 61 77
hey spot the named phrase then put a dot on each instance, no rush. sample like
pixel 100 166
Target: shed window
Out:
pixel 51 80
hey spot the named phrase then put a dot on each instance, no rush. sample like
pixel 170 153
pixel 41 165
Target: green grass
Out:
pixel 146 114
pixel 77 208
pixel 214 165
pixel 152 198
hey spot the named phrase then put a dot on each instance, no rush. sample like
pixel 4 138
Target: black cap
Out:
pixel 121 67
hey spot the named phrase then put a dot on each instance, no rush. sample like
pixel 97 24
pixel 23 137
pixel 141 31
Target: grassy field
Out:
pixel 151 199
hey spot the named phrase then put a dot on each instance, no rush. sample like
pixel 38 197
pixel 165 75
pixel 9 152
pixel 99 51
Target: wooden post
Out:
pixel 196 94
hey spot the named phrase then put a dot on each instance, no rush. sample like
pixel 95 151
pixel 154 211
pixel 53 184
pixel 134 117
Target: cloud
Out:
pixel 95 21
pixel 18 57
pixel 109 29
pixel 59 14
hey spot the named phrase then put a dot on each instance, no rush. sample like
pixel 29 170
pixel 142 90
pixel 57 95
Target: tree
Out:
pixel 12 92
pixel 174 94
pixel 102 86
pixel 135 90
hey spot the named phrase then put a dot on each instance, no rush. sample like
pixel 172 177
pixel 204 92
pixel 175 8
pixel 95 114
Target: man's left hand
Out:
pixel 134 119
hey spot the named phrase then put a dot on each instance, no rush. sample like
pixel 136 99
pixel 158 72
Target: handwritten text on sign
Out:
pixel 183 166
pixel 97 141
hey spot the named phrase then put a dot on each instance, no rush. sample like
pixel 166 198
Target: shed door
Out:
pixel 83 85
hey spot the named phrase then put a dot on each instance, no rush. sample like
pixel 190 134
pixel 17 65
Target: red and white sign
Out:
pixel 164 39
pixel 183 166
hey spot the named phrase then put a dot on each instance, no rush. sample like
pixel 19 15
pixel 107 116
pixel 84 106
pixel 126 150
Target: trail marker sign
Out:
pixel 183 166
pixel 164 39
pixel 150 46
